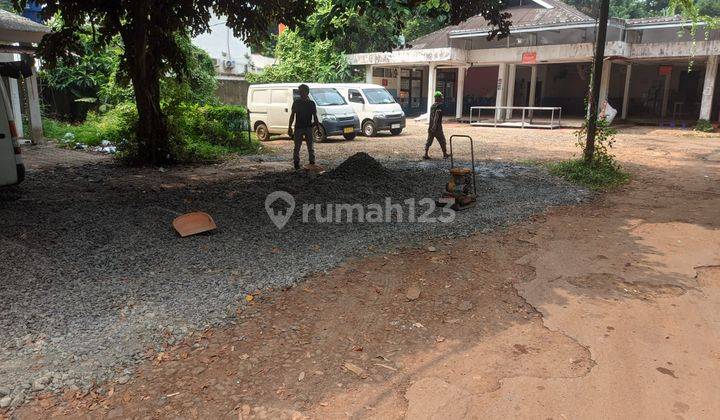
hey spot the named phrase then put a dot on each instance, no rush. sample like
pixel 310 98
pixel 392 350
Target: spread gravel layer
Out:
pixel 93 275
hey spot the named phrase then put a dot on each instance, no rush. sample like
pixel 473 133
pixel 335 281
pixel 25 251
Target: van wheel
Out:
pixel 396 131
pixel 350 136
pixel 262 132
pixel 319 133
pixel 369 129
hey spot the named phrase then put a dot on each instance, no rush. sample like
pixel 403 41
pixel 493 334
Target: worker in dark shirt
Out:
pixel 307 118
pixel 435 129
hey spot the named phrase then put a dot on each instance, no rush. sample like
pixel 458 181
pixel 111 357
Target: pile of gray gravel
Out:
pixel 93 275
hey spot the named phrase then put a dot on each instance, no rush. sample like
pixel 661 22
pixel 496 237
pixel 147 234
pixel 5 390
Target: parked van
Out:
pixel 375 106
pixel 270 106
pixel 12 169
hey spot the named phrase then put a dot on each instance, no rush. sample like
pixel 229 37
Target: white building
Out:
pixel 18 38
pixel 233 59
pixel 546 61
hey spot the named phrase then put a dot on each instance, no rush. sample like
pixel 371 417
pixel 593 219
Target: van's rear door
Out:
pixel 8 165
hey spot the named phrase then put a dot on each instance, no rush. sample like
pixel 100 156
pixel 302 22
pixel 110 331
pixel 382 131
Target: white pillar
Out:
pixel 711 70
pixel 399 82
pixel 512 69
pixel 666 95
pixel 533 88
pixel 460 92
pixel 432 78
pixel 501 89
pixel 604 82
pixel 16 106
pixel 368 74
pixel 626 92
pixel 33 94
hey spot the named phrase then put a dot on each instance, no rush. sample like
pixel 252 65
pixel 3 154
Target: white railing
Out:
pixel 527 120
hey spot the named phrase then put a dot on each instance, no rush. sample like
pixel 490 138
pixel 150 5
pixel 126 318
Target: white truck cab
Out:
pixel 375 106
pixel 270 106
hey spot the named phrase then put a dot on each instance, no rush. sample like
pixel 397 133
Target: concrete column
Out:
pixel 512 69
pixel 711 70
pixel 533 88
pixel 368 74
pixel 399 82
pixel 460 92
pixel 666 95
pixel 432 83
pixel 626 92
pixel 501 90
pixel 604 82
pixel 16 102
pixel 33 94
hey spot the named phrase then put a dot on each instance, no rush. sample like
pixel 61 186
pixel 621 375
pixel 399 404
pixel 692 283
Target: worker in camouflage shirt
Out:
pixel 435 130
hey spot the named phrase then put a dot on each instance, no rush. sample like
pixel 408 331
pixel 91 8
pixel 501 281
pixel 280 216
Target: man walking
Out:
pixel 435 130
pixel 307 118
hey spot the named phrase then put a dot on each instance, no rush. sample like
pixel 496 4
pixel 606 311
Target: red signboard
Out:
pixel 529 57
pixel 385 82
pixel 665 70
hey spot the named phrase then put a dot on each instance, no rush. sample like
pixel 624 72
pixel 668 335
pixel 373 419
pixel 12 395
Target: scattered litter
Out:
pixel 386 367
pixel 355 369
pixel 174 394
pixel 301 376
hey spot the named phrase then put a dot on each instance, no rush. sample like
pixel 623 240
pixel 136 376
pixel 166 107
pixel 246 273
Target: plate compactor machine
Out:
pixel 461 192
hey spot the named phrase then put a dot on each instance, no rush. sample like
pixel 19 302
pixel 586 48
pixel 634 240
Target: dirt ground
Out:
pixel 604 310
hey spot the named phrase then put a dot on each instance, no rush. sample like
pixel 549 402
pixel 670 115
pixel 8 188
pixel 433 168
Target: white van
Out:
pixel 375 106
pixel 270 106
pixel 12 169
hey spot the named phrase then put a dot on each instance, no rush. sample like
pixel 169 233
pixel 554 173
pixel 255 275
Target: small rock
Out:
pixel 5 402
pixel 4 391
pixel 123 379
pixel 465 305
pixel 413 293
pixel 40 383
pixel 301 376
pixel 432 249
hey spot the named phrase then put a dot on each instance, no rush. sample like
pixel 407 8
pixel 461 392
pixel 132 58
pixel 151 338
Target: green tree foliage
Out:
pixel 96 74
pixel 362 25
pixel 300 60
pixel 7 5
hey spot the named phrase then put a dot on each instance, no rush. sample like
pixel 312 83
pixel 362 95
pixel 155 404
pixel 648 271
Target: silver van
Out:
pixel 270 106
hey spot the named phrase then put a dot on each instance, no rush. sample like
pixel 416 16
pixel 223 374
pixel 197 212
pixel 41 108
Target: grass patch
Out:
pixel 599 176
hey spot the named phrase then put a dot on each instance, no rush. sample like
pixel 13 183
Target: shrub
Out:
pixel 116 126
pixel 599 175
pixel 705 126
pixel 198 133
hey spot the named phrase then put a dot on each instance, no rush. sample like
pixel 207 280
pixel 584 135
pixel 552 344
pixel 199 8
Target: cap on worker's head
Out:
pixel 438 94
pixel 304 88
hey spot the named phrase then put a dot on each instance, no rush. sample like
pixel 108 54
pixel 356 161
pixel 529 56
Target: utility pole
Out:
pixel 596 77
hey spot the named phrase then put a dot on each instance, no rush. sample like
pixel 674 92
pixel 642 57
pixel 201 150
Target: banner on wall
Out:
pixel 529 57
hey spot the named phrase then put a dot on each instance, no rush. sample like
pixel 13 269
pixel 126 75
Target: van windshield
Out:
pixel 378 96
pixel 326 97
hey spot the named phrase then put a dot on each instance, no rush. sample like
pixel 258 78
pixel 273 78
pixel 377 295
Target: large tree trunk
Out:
pixel 596 79
pixel 143 59
pixel 152 132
